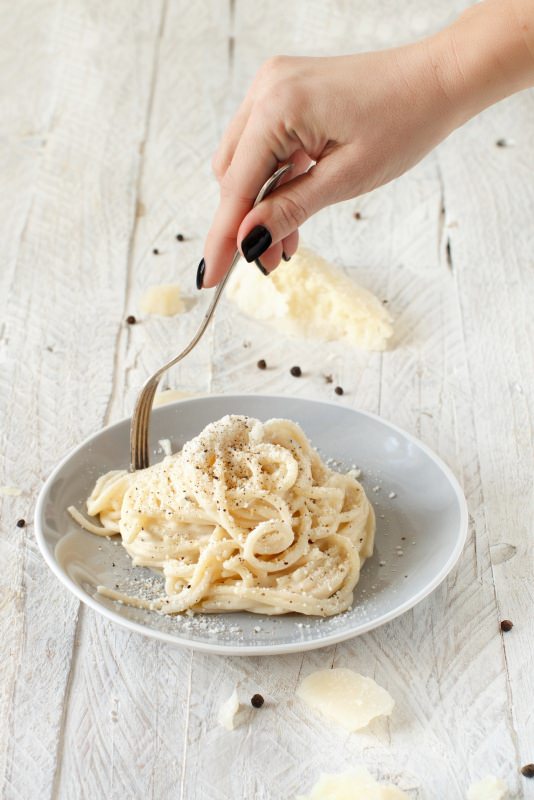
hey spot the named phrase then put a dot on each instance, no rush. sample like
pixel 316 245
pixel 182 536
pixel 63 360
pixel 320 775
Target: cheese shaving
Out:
pixel 348 698
pixel 10 491
pixel 357 784
pixel 490 788
pixel 169 396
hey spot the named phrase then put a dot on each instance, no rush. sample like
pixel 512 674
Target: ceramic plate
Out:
pixel 419 506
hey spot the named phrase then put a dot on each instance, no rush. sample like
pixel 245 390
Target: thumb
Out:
pixel 290 205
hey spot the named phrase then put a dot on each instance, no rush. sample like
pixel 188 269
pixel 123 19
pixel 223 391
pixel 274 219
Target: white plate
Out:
pixel 427 517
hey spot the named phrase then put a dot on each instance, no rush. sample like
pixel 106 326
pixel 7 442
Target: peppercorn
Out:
pixel 21 523
pixel 257 700
pixel 528 771
pixel 155 251
pixel 296 372
pixel 338 390
pixel 506 625
pixel 180 237
pixel 131 320
pixel 262 364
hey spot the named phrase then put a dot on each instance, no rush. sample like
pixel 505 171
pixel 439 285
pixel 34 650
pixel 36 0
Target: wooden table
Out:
pixel 110 113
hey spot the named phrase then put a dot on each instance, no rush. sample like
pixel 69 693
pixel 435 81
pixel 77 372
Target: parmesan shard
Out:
pixel 228 710
pixel 165 300
pixel 350 699
pixel 357 784
pixel 490 788
pixel 311 298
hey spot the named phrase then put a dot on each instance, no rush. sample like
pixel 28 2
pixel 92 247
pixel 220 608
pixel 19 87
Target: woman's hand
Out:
pixel 363 119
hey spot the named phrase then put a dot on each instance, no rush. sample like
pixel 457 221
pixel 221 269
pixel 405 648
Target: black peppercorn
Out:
pixel 131 320
pixel 257 700
pixel 180 237
pixel 262 364
pixel 21 523
pixel 506 625
pixel 296 372
pixel 528 771
pixel 155 251
pixel 338 390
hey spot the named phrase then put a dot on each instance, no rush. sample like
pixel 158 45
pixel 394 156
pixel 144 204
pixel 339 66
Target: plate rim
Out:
pixel 254 649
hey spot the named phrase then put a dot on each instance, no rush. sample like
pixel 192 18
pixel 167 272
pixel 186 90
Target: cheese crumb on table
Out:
pixel 350 699
pixel 164 299
pixel 490 788
pixel 358 784
pixel 170 395
pixel 228 710
pixel 311 298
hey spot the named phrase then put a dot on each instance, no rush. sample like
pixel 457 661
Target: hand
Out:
pixel 363 119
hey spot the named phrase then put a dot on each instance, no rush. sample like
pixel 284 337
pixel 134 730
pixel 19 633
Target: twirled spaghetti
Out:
pixel 246 517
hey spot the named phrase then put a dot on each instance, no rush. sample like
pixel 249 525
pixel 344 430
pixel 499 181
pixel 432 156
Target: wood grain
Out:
pixel 109 121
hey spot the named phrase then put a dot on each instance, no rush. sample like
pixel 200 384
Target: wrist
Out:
pixel 486 55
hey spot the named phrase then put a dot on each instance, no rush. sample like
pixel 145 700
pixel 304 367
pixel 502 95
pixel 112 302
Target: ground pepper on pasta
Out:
pixel 245 517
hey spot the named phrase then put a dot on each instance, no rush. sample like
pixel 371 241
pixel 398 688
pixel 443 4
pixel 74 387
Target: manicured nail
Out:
pixel 256 242
pixel 286 258
pixel 200 274
pixel 260 266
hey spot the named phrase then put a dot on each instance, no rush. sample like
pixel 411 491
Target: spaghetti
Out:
pixel 246 517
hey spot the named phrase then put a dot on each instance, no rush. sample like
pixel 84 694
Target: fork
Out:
pixel 139 458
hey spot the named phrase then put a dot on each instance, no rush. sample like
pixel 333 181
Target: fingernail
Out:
pixel 260 266
pixel 200 274
pixel 286 258
pixel 256 242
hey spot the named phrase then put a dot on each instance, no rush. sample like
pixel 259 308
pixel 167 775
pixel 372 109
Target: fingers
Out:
pixel 272 257
pixel 277 217
pixel 290 245
pixel 277 252
pixel 225 152
pixel 256 157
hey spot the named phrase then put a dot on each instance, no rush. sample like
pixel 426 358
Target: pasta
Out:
pixel 246 517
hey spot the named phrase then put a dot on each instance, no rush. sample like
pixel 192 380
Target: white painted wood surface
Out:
pixel 110 112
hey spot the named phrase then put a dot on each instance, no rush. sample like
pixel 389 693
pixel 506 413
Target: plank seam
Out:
pixel 121 332
pixel 66 703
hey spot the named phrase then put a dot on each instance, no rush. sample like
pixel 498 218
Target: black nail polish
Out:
pixel 286 258
pixel 260 266
pixel 256 242
pixel 200 274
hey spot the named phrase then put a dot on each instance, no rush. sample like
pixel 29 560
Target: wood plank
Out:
pixel 84 82
pixel 489 196
pixel 128 708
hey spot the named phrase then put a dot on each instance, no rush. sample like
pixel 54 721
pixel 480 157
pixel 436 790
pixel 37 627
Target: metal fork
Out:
pixel 139 458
